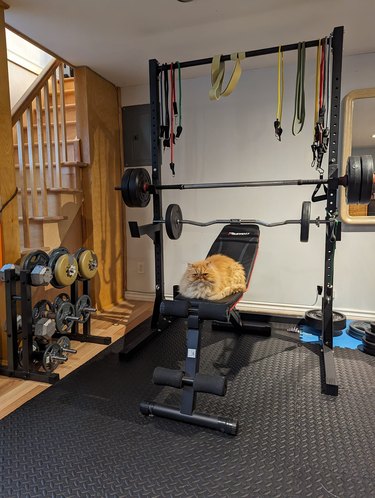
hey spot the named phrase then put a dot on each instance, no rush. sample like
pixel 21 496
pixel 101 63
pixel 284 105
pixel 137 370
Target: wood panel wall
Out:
pixel 9 217
pixel 98 126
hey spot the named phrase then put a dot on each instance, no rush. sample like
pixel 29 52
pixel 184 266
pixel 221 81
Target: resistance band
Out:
pixel 321 131
pixel 172 137
pixel 280 94
pixel 217 76
pixel 161 92
pixel 166 141
pixel 179 127
pixel 299 102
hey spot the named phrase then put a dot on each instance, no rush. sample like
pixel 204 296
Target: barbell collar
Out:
pixel 69 350
pixel 58 358
pixel 71 319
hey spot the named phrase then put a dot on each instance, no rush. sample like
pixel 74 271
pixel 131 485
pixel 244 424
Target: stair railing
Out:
pixel 48 151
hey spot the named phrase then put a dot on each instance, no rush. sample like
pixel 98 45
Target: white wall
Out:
pixel 233 140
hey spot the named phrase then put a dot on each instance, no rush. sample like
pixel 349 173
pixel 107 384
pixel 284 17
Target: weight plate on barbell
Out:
pixel 63 324
pixel 125 187
pixel 173 217
pixel 367 179
pixel 34 258
pixel 354 173
pixel 60 299
pixel 65 271
pixel 41 309
pixel 305 221
pixel 313 319
pixel 87 263
pixel 50 363
pixel 134 184
pixel 83 302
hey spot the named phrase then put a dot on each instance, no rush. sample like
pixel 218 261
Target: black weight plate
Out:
pixel 40 309
pixel 125 187
pixel 357 329
pixel 63 324
pixel 370 336
pixel 83 302
pixel 354 172
pixel 172 217
pixel 305 221
pixel 313 319
pixel 367 164
pixel 59 299
pixel 34 258
pixel 372 327
pixel 139 180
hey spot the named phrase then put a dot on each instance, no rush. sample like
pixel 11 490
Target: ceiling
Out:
pixel 117 37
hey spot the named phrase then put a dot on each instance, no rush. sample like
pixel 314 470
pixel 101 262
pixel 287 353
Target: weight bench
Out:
pixel 240 242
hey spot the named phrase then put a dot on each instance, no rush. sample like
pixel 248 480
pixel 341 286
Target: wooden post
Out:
pixel 9 217
pixel 98 127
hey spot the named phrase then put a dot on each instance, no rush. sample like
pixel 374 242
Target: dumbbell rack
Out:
pixel 27 369
pixel 13 368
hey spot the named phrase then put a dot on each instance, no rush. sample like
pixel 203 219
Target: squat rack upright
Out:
pixel 329 381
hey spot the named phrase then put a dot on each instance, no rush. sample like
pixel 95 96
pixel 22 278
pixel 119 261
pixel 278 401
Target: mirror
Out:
pixel 358 140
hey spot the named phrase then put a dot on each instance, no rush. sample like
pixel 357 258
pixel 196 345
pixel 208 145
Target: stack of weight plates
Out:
pixel 368 341
pixel 313 319
pixel 357 329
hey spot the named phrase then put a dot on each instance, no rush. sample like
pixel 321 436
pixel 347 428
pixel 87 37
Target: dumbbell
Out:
pixel 50 357
pixel 64 343
pixel 64 267
pixel 87 263
pixel 84 308
pixel 63 316
pixel 36 263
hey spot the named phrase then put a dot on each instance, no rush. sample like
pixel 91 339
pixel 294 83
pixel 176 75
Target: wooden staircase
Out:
pixel 48 162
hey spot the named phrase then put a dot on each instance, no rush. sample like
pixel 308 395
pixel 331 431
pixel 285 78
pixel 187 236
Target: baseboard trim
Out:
pixel 295 310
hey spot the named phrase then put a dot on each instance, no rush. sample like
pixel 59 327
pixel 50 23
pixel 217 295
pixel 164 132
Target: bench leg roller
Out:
pixel 226 425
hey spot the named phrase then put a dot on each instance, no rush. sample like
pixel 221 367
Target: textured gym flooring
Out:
pixel 85 437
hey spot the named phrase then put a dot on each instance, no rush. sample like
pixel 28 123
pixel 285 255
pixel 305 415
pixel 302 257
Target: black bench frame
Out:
pixel 328 374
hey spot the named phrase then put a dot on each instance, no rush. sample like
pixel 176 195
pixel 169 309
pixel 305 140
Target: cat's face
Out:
pixel 200 272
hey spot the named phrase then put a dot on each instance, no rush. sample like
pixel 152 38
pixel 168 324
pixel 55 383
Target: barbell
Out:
pixel 136 186
pixel 174 222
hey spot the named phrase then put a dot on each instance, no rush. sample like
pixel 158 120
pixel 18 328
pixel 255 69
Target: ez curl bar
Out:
pixel 174 223
pixel 136 186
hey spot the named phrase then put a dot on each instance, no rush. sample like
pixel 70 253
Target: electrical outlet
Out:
pixel 140 267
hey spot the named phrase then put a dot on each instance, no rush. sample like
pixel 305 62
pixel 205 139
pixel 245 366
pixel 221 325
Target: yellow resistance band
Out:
pixel 280 94
pixel 217 76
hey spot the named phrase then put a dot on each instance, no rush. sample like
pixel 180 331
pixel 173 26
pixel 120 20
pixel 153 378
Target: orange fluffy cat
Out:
pixel 213 278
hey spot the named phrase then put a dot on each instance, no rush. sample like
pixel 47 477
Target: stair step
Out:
pixel 44 219
pixel 56 190
pixel 70 164
pixel 70 141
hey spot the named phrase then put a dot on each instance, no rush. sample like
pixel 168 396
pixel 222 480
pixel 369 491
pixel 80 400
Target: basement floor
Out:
pixel 85 435
pixel 114 322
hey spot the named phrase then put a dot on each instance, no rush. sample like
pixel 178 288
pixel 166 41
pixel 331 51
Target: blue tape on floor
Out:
pixel 342 341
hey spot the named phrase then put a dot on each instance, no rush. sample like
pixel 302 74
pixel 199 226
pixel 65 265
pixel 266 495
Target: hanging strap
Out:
pixel 179 126
pixel 299 102
pixel 280 94
pixel 161 92
pixel 166 141
pixel 173 113
pixel 217 76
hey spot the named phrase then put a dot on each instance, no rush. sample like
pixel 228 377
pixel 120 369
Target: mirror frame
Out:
pixel 347 138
